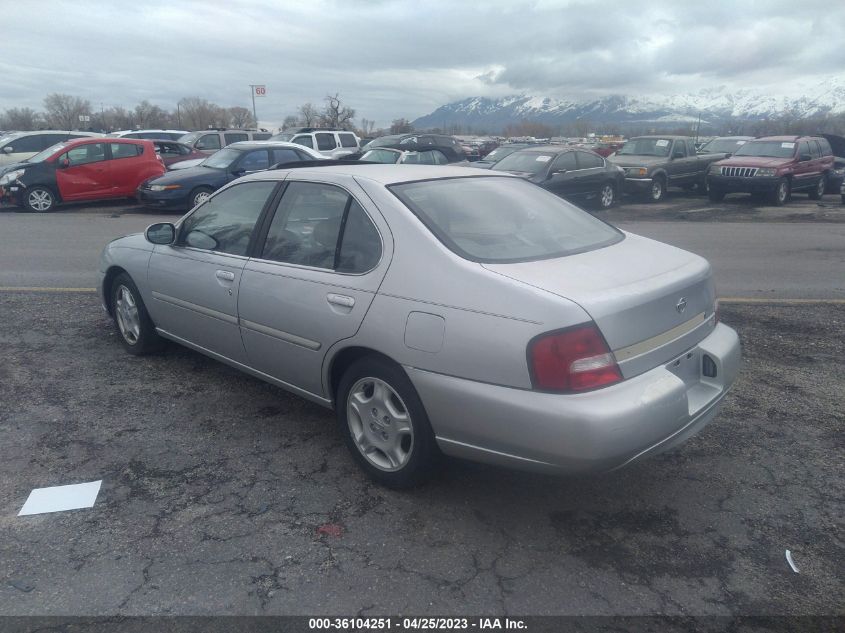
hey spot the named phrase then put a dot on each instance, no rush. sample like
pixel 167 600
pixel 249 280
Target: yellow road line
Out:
pixel 38 289
pixel 782 301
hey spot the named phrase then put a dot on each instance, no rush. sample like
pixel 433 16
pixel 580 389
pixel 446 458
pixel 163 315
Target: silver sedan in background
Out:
pixel 437 310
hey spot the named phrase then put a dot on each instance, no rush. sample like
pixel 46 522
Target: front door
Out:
pixel 84 172
pixel 194 282
pixel 311 281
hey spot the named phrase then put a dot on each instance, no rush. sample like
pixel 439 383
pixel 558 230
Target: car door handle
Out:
pixel 225 275
pixel 340 300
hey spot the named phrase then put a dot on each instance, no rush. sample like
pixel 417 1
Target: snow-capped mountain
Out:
pixel 713 104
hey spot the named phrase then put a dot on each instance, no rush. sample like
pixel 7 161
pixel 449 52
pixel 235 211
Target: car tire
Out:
pixel 199 195
pixel 821 187
pixel 780 196
pixel 715 195
pixel 658 190
pixel 40 199
pixel 607 195
pixel 384 423
pixel 136 329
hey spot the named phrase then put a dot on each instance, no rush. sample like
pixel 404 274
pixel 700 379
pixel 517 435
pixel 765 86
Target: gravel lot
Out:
pixel 224 495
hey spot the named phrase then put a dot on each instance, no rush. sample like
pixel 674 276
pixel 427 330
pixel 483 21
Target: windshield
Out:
pixel 767 149
pixel 646 147
pixel 189 138
pixel 46 153
pixel 381 156
pixel 532 162
pixel 285 136
pixel 221 159
pixel 722 145
pixel 386 140
pixel 501 220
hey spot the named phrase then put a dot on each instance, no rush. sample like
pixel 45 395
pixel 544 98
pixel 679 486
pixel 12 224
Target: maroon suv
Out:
pixel 775 166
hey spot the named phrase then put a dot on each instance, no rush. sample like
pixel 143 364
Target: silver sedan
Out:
pixel 438 310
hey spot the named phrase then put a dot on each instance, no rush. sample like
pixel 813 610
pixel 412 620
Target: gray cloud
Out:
pixel 397 58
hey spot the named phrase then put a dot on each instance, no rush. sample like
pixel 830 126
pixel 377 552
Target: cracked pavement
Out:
pixel 225 495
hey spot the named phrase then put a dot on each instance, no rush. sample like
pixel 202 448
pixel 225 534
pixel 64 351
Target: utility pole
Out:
pixel 256 90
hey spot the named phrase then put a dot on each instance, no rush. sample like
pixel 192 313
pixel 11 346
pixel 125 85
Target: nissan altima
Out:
pixel 437 310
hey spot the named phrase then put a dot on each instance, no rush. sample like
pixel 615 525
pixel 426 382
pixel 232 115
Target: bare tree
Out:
pixel 22 119
pixel 367 127
pixel 401 126
pixel 335 114
pixel 198 114
pixel 63 111
pixel 290 122
pixel 308 115
pixel 148 115
pixel 241 117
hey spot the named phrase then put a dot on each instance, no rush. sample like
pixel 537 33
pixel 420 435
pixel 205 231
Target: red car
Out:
pixel 85 169
pixel 174 152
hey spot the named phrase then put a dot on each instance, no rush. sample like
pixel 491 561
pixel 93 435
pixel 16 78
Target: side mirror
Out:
pixel 237 173
pixel 8 149
pixel 805 157
pixel 161 233
pixel 64 163
pixel 560 171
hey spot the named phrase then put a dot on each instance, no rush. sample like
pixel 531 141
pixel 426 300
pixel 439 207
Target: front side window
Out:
pixel 255 161
pixel 125 150
pixel 589 161
pixel 209 141
pixel 502 220
pixel 32 143
pixel 85 154
pixel 322 226
pixel 226 221
pixel 348 140
pixel 325 141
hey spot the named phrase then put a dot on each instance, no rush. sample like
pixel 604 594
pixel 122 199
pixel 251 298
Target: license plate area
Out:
pixel 688 367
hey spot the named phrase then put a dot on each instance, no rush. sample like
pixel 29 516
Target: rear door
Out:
pixel 195 282
pixel 591 172
pixel 312 279
pixel 126 160
pixel 682 167
pixel 806 171
pixel 87 174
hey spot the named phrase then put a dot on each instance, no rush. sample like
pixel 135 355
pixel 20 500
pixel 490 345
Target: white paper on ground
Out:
pixel 59 498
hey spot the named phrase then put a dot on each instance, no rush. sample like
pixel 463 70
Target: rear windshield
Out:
pixel 503 220
pixel 221 159
pixel 768 149
pixel 531 162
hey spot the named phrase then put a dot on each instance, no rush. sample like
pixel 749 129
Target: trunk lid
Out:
pixel 650 300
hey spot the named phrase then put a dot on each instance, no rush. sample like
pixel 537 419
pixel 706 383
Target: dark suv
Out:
pixel 775 166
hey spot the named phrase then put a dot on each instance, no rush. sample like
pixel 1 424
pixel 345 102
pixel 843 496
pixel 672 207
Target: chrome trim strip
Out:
pixel 214 314
pixel 279 334
pixel 643 347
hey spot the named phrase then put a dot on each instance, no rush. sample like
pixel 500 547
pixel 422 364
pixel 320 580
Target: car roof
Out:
pixel 550 147
pixel 246 145
pixel 732 138
pixel 791 138
pixel 670 136
pixel 379 173
pixel 31 132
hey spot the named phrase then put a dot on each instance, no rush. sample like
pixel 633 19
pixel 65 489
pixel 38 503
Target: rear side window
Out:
pixel 225 223
pixel 348 140
pixel 125 150
pixel 360 246
pixel 502 220
pixel 33 143
pixel 209 141
pixel 826 150
pixel 565 162
pixel 815 152
pixel 232 137
pixel 589 161
pixel 285 155
pixel 306 141
pixel 325 141
pixel 255 161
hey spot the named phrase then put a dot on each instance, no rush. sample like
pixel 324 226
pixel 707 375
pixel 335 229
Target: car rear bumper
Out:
pixel 596 431
pixel 752 184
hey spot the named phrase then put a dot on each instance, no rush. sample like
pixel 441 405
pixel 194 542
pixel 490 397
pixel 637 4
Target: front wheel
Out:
pixel 780 196
pixel 39 199
pixel 137 332
pixel 607 195
pixel 384 423
pixel 658 190
pixel 821 186
pixel 199 195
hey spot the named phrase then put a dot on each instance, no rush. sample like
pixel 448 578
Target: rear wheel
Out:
pixel 137 332
pixel 384 423
pixel 607 195
pixel 821 186
pixel 658 190
pixel 40 199
pixel 780 195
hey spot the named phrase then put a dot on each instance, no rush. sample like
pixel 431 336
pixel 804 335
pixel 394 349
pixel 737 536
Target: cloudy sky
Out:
pixel 398 58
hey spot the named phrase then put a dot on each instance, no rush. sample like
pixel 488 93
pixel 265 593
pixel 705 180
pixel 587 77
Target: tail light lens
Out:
pixel 576 359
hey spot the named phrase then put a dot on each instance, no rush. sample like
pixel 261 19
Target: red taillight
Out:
pixel 576 359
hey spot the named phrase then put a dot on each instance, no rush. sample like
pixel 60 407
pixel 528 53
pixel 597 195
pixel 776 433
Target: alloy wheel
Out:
pixel 606 196
pixel 40 200
pixel 380 424
pixel 128 318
